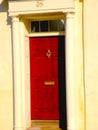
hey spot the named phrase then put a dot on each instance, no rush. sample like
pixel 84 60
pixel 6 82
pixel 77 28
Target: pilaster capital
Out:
pixel 69 14
pixel 15 18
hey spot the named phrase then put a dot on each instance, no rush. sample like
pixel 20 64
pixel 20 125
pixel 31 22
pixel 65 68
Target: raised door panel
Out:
pixel 44 78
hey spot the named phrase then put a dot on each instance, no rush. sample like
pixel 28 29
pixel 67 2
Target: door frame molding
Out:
pixel 21 74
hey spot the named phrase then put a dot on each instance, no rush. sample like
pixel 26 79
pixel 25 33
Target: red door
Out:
pixel 44 78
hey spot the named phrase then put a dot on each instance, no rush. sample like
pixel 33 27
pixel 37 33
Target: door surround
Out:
pixel 22 89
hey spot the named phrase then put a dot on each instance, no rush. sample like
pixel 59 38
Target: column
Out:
pixel 17 75
pixel 70 86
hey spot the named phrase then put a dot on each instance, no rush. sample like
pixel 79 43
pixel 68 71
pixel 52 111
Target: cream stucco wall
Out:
pixel 78 65
pixel 6 100
pixel 88 49
pixel 91 62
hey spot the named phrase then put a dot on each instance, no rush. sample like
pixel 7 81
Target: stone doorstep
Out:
pixel 43 128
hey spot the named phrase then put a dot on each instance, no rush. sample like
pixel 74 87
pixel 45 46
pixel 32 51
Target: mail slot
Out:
pixel 49 83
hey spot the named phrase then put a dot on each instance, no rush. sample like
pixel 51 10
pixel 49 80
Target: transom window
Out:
pixel 47 26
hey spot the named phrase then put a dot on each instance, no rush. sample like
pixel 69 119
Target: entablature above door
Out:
pixel 20 7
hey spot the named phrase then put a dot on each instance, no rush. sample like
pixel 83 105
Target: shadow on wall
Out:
pixel 81 0
pixel 3 5
pixel 4 8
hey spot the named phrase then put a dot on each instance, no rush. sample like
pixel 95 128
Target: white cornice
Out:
pixel 39 6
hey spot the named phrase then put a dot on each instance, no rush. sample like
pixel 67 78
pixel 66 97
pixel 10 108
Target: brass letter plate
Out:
pixel 49 83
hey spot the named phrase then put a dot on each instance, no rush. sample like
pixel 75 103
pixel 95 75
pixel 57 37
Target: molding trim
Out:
pixel 42 6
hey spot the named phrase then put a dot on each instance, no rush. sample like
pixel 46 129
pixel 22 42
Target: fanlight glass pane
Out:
pixel 61 25
pixel 35 26
pixel 44 26
pixel 47 26
pixel 53 25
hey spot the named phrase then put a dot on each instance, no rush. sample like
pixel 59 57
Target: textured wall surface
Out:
pixel 6 98
pixel 91 62
pixel 90 65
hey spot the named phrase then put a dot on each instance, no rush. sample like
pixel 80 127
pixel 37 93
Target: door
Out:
pixel 44 78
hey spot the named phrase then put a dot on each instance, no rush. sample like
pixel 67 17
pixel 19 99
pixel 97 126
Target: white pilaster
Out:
pixel 17 75
pixel 70 86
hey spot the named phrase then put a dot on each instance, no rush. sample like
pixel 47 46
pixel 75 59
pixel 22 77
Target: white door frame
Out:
pixel 22 76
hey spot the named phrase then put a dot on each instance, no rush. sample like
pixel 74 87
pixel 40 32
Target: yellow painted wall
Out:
pixel 90 27
pixel 78 66
pixel 6 99
pixel 91 62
